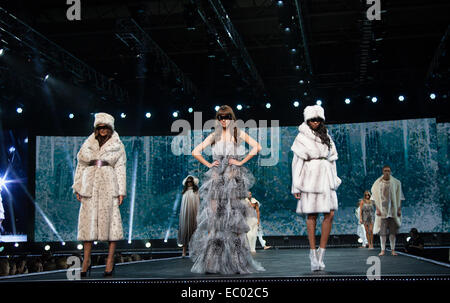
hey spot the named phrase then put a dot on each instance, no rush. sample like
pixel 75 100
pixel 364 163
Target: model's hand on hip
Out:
pixel 78 196
pixel 297 196
pixel 120 200
pixel 215 163
pixel 234 162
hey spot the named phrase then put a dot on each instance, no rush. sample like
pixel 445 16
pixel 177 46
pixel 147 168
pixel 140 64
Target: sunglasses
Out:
pixel 224 117
pixel 103 127
pixel 316 120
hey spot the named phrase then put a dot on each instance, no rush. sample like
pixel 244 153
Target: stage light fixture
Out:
pixel 432 96
pixel 280 3
pixel 297 67
pixel 46 77
pixel 374 99
pixel 95 242
pixel 47 247
pixel 296 103
pixel 347 101
pixel 239 107
pixel 12 149
pixel 123 115
pixel 148 115
pixel 2 51
pixel 180 245
pixel 190 109
pixel 268 105
pixel 217 107
pixel 80 246
pixel 287 29
pixel 71 116
pixel 148 244
pixel 19 110
pixel 301 81
pixel 319 102
pixel 16 244
pixel 63 243
pixel 293 50
pixel 175 114
pixel 165 240
pixel 129 241
pixel 25 140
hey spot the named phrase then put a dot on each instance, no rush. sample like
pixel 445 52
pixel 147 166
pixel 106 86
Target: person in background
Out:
pixel 254 222
pixel 414 243
pixel 2 213
pixel 367 216
pixel 388 195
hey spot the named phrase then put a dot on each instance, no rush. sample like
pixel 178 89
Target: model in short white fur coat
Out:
pixel 314 179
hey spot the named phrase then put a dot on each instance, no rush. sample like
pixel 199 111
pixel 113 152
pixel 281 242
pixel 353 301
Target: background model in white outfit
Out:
pixel 2 212
pixel 254 223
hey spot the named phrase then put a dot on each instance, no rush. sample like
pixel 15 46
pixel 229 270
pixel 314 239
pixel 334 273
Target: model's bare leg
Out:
pixel 326 228
pixel 87 255
pixel 184 250
pixel 110 260
pixel 311 228
pixel 370 239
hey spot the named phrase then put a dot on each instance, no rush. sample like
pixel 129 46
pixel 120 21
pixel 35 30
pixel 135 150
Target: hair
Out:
pixel 414 231
pixel 367 191
pixel 321 132
pixel 194 187
pixel 386 167
pixel 225 110
pixel 102 140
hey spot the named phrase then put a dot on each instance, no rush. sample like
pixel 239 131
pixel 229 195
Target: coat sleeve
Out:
pixel 120 169
pixel 78 178
pixel 297 165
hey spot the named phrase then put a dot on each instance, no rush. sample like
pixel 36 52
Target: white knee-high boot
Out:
pixel 313 259
pixel 320 255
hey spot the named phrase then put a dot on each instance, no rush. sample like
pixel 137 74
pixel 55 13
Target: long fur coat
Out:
pixel 314 172
pixel 99 217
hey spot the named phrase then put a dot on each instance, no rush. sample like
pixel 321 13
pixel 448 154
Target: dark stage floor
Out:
pixel 279 263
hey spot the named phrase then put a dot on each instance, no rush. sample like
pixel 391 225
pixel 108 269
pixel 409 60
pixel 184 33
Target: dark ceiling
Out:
pixel 338 54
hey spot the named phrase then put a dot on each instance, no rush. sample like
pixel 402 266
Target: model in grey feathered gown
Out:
pixel 219 244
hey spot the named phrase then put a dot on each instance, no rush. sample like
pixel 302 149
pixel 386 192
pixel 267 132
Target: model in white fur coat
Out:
pixel 100 186
pixel 314 178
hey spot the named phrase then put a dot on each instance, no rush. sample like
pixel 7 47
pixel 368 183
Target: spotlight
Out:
pixel 297 67
pixel 63 243
pixel 180 245
pixel 408 238
pixel 268 105
pixel 19 110
pixel 293 50
pixel 239 107
pixel 71 116
pixel 347 101
pixel 129 241
pixel 287 29
pixel 217 107
pixel 296 103
pixel 280 3
pixel 123 115
pixel 148 115
pixel 319 102
pixel 2 51
pixel 165 240
pixel 374 99
pixel 190 109
pixel 25 140
pixel 80 246
pixel 301 81
pixel 433 96
pixel 47 247
pixel 95 242
pixel 360 240
pixel 401 98
pixel 46 77
pixel 148 244
pixel 12 149
pixel 175 114
pixel 16 244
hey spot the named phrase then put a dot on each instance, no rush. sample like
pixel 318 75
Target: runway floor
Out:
pixel 279 263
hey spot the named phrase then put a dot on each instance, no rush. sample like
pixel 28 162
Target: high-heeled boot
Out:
pixel 313 259
pixel 320 255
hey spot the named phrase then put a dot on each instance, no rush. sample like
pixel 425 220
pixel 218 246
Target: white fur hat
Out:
pixel 104 118
pixel 313 111
pixel 195 180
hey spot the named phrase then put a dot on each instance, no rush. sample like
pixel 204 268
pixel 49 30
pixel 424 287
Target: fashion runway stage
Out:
pixel 341 263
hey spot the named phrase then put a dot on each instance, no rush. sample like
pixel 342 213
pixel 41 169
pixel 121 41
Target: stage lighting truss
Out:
pixel 220 27
pixel 18 30
pixel 135 38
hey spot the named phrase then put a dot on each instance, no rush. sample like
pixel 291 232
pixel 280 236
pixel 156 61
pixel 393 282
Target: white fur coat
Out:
pixel 99 217
pixel 396 195
pixel 310 173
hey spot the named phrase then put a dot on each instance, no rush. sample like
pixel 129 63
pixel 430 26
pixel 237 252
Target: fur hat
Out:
pixel 195 180
pixel 104 118
pixel 313 111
